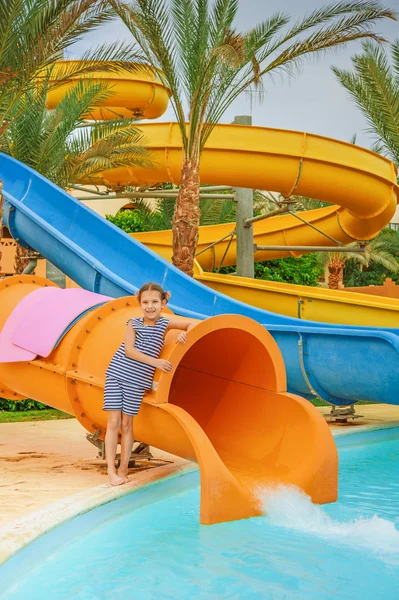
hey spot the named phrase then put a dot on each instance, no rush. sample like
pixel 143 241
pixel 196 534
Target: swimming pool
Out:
pixel 149 545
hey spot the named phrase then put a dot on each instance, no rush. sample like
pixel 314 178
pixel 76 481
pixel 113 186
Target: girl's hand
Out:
pixel 164 365
pixel 182 337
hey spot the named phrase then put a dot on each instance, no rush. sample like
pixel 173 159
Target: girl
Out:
pixel 131 372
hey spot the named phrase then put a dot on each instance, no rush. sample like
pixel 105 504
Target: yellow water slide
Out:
pixel 361 184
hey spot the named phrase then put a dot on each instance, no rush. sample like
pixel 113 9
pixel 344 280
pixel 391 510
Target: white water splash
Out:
pixel 287 506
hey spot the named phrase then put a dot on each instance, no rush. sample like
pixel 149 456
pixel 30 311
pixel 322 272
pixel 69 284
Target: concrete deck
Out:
pixel 50 473
pixel 43 461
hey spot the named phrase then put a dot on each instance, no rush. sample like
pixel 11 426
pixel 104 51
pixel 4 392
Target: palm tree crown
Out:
pixel 61 145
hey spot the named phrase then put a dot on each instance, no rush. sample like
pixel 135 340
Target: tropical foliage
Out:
pixel 374 85
pixel 61 145
pixel 207 63
pixel 22 405
pixel 158 215
pixel 305 270
pixel 383 250
pixel 34 35
pixel 374 273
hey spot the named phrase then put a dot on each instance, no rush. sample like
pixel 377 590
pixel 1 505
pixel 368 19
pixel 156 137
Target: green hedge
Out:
pixel 131 221
pixel 375 274
pixel 305 270
pixel 21 406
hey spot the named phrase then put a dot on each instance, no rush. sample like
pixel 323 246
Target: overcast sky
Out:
pixel 314 101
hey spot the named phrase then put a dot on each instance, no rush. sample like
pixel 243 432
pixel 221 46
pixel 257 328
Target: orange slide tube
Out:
pixel 224 405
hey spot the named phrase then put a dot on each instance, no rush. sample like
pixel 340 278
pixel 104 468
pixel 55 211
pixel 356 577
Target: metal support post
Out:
pixel 273 213
pixel 244 211
pixel 30 267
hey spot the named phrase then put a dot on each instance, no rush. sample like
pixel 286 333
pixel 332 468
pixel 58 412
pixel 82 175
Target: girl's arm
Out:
pixel 132 352
pixel 185 326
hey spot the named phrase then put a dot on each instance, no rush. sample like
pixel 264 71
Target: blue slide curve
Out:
pixel 341 364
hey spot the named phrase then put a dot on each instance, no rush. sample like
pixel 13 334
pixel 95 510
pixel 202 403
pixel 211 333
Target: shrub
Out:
pixel 305 270
pixel 20 406
pixel 131 221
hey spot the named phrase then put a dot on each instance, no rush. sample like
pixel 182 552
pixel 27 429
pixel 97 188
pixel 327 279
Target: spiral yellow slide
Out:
pixel 360 185
pixel 360 182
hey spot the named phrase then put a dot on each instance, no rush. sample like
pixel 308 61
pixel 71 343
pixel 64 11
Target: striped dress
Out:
pixel 126 378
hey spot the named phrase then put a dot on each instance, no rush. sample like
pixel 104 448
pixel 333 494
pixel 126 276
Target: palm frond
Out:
pixel 374 85
pixel 35 33
pixel 61 146
pixel 151 25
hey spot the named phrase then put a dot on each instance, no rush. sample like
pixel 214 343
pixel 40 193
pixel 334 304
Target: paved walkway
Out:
pixel 45 461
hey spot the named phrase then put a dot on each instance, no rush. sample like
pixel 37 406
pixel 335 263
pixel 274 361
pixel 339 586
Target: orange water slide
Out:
pixel 224 405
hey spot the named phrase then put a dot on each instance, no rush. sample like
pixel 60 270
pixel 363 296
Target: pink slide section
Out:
pixel 40 319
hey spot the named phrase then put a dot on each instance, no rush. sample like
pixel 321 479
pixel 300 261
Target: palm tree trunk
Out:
pixel 21 259
pixel 186 218
pixel 335 270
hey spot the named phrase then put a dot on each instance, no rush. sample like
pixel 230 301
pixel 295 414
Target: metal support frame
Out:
pixel 153 194
pixel 316 229
pixel 140 453
pixel 31 266
pixel 272 213
pixel 308 249
pixel 297 216
pixel 341 415
pixel 162 196
pixel 231 234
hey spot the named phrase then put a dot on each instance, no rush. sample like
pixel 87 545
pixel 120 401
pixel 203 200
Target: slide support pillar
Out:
pixel 244 211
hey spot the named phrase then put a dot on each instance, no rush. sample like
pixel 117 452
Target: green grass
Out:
pixel 319 402
pixel 49 414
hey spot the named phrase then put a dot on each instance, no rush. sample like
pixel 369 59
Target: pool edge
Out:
pixel 20 532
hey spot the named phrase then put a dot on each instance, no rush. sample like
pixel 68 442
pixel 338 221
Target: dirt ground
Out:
pixel 44 461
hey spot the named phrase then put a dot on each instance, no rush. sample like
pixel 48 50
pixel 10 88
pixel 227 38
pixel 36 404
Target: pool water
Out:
pixel 149 545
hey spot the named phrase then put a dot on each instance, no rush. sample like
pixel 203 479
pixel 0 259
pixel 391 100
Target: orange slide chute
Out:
pixel 224 405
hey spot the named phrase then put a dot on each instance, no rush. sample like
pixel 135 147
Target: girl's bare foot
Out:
pixel 115 479
pixel 123 475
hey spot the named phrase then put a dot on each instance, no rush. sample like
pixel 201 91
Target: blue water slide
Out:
pixel 339 363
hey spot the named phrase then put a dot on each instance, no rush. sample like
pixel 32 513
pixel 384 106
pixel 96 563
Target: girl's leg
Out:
pixel 111 442
pixel 126 445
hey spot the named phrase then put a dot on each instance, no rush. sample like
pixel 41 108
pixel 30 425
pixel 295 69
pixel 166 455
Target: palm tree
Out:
pixel 59 143
pixel 383 250
pixel 34 34
pixel 374 85
pixel 207 63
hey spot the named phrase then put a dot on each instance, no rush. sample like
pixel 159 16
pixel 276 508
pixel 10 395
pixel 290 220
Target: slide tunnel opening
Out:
pixel 224 381
pixel 228 382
